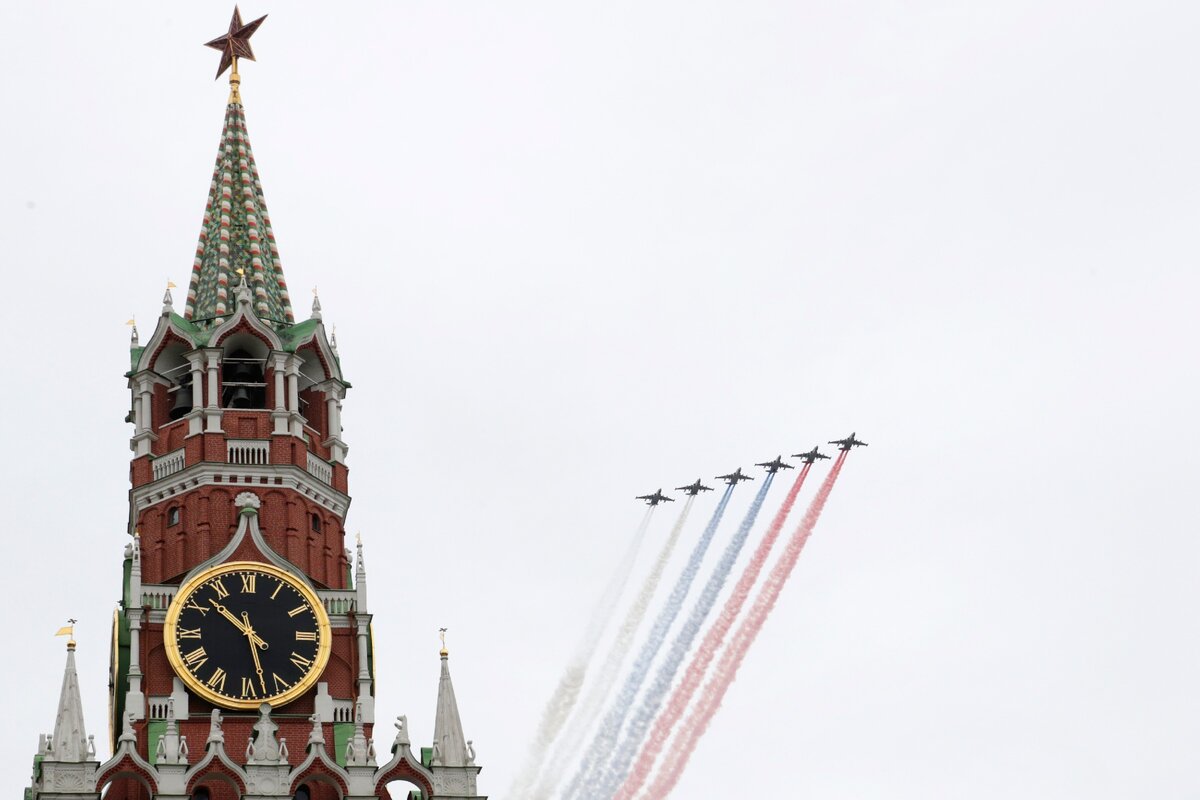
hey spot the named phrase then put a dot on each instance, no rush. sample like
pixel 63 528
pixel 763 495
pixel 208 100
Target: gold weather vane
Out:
pixel 233 45
pixel 68 630
pixel 442 636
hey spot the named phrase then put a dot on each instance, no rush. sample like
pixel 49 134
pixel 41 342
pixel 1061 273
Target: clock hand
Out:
pixel 246 629
pixel 224 612
pixel 254 648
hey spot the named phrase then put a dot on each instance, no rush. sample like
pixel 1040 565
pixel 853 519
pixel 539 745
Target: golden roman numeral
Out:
pixel 298 610
pixel 277 588
pixel 248 583
pixel 217 681
pixel 196 658
pixel 280 683
pixel 191 603
pixel 300 661
pixel 248 688
pixel 220 589
pixel 189 633
pixel 306 636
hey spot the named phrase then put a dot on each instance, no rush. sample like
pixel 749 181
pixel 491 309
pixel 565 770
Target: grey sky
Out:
pixel 576 251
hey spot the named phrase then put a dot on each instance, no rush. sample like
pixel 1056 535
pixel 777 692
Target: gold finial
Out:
pixel 68 630
pixel 442 635
pixel 235 83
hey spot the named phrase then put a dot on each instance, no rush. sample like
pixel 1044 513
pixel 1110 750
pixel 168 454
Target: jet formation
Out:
pixel 737 476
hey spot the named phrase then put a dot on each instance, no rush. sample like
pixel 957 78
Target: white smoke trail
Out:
pixel 605 738
pixel 618 765
pixel 585 713
pixel 558 708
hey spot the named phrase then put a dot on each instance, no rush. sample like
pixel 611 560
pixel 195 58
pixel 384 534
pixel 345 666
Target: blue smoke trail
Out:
pixel 612 777
pixel 606 737
pixel 585 712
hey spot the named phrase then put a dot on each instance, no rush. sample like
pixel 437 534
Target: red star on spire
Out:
pixel 236 42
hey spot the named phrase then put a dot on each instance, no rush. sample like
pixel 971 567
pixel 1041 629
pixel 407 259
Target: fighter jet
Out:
pixel 734 477
pixel 774 466
pixel 811 456
pixel 694 489
pixel 848 442
pixel 654 499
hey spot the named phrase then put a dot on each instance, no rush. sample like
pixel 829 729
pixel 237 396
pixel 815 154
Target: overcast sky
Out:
pixel 577 251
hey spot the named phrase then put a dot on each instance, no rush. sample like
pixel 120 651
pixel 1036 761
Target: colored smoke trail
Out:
pixel 586 711
pixel 558 709
pixel 606 736
pixel 692 678
pixel 618 765
pixel 725 673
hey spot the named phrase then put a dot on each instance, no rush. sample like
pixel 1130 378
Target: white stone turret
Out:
pixel 366 701
pixel 66 764
pixel 453 761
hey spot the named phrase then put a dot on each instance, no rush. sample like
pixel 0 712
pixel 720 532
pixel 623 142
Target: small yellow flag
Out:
pixel 130 321
pixel 66 630
pixel 171 284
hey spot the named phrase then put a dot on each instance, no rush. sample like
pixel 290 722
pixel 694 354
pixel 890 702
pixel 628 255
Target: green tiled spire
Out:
pixel 236 234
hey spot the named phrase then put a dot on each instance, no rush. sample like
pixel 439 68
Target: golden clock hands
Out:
pixel 246 629
pixel 224 612
pixel 254 648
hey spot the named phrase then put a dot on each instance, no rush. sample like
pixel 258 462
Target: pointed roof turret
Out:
pixel 450 746
pixel 236 233
pixel 69 742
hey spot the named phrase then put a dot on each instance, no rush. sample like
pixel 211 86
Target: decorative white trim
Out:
pixel 258 478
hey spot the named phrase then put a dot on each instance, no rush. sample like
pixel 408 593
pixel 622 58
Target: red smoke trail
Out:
pixel 692 678
pixel 697 723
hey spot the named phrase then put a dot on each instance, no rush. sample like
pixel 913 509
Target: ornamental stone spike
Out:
pixel 447 728
pixel 316 306
pixel 69 742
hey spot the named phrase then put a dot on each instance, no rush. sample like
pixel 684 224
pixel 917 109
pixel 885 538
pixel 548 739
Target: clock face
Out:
pixel 245 633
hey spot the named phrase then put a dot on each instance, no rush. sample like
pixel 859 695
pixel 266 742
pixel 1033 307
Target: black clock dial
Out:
pixel 245 633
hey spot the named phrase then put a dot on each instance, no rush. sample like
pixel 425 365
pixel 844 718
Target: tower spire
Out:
pixel 450 746
pixel 69 742
pixel 236 233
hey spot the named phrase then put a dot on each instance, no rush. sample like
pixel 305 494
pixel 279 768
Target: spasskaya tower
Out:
pixel 242 662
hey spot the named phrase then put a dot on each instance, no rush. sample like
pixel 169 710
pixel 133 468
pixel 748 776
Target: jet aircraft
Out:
pixel 811 456
pixel 774 466
pixel 694 489
pixel 734 477
pixel 654 499
pixel 848 442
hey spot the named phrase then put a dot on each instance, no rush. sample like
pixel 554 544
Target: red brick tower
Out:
pixel 242 648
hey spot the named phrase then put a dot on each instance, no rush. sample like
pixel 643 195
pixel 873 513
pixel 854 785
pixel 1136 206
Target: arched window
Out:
pixel 201 793
pixel 301 793
pixel 173 516
pixel 316 523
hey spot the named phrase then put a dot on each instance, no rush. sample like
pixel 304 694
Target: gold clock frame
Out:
pixel 324 646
